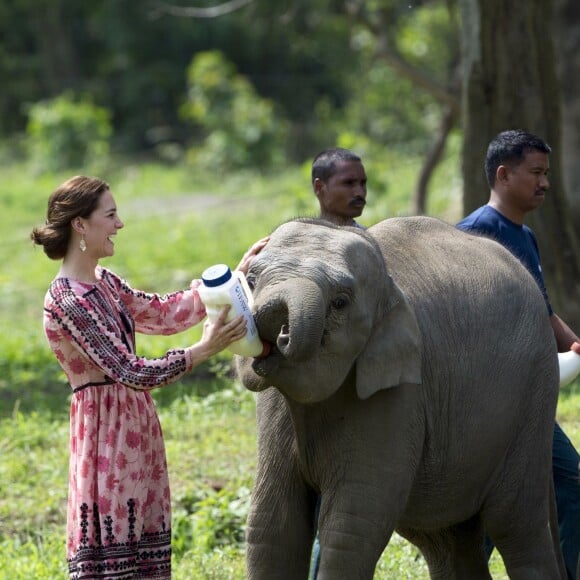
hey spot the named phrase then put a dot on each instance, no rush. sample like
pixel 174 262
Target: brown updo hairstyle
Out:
pixel 76 197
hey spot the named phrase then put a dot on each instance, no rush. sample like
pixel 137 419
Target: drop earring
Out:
pixel 83 244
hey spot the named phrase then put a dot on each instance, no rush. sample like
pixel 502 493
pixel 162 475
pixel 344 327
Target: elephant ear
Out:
pixel 392 355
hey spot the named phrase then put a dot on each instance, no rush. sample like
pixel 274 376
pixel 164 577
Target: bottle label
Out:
pixel 240 305
pixel 232 290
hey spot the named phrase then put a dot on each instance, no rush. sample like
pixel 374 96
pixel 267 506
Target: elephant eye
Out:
pixel 340 302
pixel 251 280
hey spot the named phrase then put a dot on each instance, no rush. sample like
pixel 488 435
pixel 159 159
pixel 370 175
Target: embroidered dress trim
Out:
pixel 147 557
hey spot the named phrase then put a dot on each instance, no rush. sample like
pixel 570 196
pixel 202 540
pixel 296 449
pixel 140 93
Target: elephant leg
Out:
pixel 351 540
pixel 528 545
pixel 340 560
pixel 280 532
pixel 454 553
pixel 532 559
pixel 281 520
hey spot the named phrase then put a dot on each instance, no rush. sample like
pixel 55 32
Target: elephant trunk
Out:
pixel 292 318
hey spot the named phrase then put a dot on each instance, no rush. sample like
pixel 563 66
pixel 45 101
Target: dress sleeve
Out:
pixel 156 314
pixel 95 336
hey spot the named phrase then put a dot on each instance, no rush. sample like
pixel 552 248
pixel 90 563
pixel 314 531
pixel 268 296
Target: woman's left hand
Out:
pixel 254 250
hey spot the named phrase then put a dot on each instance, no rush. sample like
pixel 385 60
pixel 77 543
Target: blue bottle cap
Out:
pixel 216 275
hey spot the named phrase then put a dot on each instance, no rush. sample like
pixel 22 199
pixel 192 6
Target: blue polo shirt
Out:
pixel 520 240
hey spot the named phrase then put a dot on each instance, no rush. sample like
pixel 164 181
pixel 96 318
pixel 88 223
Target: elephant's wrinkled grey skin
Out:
pixel 422 401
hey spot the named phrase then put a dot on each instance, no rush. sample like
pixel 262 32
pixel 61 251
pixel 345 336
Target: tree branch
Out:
pixel 433 158
pixel 196 12
pixel 378 24
pixel 418 78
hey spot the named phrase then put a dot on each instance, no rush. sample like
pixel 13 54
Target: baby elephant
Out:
pixel 411 385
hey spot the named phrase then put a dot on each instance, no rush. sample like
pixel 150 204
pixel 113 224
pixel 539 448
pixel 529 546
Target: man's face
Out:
pixel 526 184
pixel 343 195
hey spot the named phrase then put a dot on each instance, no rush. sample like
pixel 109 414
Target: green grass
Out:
pixel 177 222
pixel 211 443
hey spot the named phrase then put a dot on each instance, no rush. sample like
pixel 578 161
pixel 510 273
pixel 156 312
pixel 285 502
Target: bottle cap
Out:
pixel 216 275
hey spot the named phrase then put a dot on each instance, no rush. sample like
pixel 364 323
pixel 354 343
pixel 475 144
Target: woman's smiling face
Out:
pixel 102 224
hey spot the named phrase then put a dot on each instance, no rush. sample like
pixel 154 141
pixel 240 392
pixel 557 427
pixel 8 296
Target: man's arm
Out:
pixel 565 336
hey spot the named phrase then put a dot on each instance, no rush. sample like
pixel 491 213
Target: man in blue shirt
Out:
pixel 517 166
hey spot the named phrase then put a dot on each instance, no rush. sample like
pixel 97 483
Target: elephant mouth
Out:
pixel 266 365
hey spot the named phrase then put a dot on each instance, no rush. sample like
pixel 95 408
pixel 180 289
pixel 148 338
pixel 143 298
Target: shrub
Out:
pixel 215 520
pixel 240 127
pixel 66 132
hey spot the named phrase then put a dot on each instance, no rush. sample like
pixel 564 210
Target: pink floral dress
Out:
pixel 119 513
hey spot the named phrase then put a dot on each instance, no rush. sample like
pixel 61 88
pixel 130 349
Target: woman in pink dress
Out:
pixel 119 513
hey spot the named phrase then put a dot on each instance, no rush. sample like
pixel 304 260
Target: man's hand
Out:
pixel 254 250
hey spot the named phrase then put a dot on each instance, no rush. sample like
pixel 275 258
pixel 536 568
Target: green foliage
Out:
pixel 211 443
pixel 219 564
pixel 386 106
pixel 216 520
pixel 26 368
pixel 67 132
pixel 211 514
pixel 387 109
pixel 39 555
pixel 33 474
pixel 241 128
pixel 428 37
pixel 299 73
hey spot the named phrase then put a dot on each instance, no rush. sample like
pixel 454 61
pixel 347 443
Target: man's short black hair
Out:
pixel 324 164
pixel 510 148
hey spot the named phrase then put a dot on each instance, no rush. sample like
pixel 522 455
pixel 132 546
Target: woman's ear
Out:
pixel 392 355
pixel 78 225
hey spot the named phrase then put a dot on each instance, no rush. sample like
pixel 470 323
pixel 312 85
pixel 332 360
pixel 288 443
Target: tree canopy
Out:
pixel 316 60
pixel 253 82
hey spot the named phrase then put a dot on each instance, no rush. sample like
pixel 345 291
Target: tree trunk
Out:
pixel 567 50
pixel 448 120
pixel 54 27
pixel 510 82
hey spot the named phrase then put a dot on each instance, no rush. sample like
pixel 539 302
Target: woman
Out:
pixel 118 517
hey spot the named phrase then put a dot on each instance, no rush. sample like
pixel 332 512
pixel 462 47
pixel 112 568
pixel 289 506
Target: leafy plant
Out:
pixel 241 127
pixel 215 520
pixel 68 132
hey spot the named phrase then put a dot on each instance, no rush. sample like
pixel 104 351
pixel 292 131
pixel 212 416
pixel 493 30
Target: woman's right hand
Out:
pixel 220 334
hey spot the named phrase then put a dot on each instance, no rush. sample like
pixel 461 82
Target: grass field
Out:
pixel 176 224
pixel 210 443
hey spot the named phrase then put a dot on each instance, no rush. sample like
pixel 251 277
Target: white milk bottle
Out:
pixel 569 366
pixel 220 286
